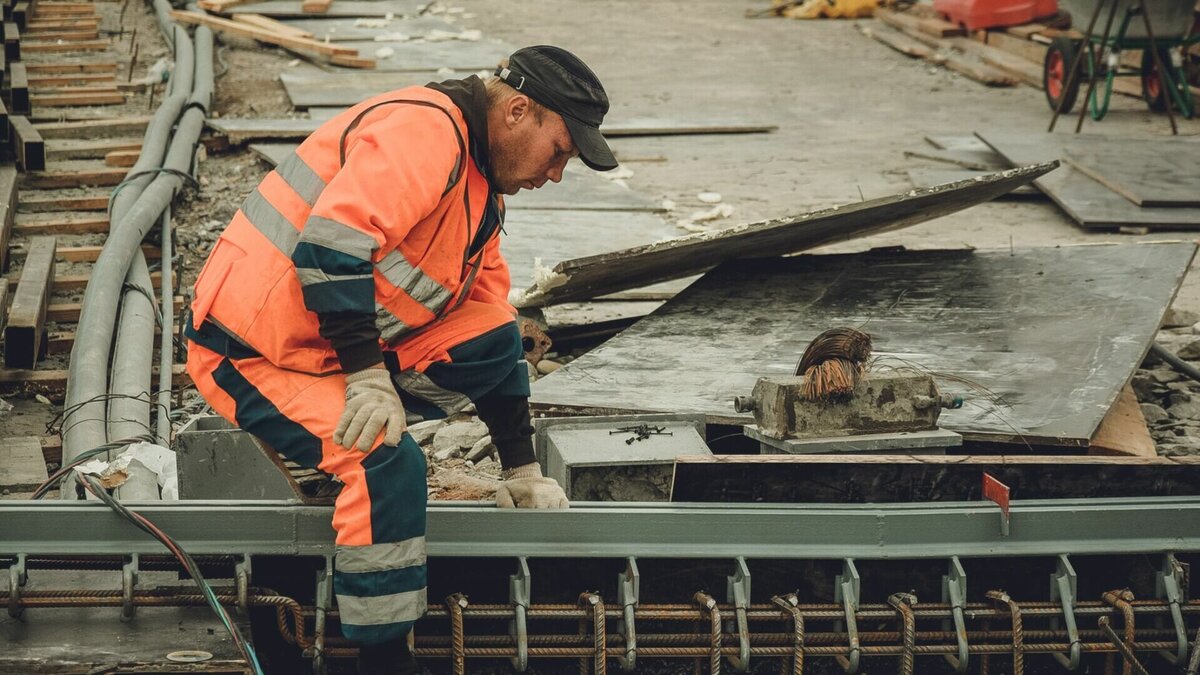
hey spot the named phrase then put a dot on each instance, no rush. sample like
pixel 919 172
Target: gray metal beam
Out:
pixel 935 530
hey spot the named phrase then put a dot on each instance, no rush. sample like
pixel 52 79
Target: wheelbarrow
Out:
pixel 1172 24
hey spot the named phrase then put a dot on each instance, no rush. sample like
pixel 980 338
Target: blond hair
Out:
pixel 500 92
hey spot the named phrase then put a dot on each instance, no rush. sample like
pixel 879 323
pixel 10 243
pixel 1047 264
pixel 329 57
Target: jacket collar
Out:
pixel 470 96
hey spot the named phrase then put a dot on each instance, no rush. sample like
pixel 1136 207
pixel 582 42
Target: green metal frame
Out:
pixel 614 530
pixel 1099 100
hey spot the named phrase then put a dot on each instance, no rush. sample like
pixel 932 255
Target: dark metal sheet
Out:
pixel 1087 201
pixel 926 178
pixel 636 267
pixel 1046 337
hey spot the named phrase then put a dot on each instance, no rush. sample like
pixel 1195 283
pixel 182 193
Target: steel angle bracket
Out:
pixel 18 576
pixel 847 590
pixel 518 596
pixel 737 590
pixel 323 602
pixel 1169 585
pixel 1064 588
pixel 629 586
pixel 954 593
pixel 129 580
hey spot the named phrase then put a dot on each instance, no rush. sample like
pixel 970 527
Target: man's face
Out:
pixel 531 149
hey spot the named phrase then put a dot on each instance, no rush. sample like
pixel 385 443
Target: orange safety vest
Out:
pixel 388 184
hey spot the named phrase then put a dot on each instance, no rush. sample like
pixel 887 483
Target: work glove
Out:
pixel 525 488
pixel 372 405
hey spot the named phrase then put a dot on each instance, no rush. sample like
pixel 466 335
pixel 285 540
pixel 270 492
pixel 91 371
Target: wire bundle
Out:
pixel 833 363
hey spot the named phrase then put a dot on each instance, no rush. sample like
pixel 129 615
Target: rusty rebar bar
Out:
pixel 1121 600
pixel 1127 656
pixel 709 606
pixel 790 606
pixel 903 603
pixel 1018 635
pixel 455 604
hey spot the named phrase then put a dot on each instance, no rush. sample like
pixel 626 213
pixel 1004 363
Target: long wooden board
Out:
pixel 92 129
pixel 1039 341
pixel 675 258
pixel 22 466
pixel 1087 201
pixel 64 176
pixel 24 342
pixel 281 9
pixel 27 143
pixel 8 210
pixel 891 478
pixel 18 89
pixel 270 37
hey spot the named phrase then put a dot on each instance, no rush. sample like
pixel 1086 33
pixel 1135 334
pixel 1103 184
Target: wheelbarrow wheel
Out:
pixel 1056 70
pixel 1157 97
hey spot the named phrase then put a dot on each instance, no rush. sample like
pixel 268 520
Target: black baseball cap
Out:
pixel 558 80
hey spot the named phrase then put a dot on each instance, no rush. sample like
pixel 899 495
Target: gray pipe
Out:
pixel 129 407
pixel 167 349
pixel 86 383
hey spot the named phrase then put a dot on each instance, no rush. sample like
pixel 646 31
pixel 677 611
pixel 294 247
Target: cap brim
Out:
pixel 593 149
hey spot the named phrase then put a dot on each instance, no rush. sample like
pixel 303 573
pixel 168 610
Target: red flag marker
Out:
pixel 997 492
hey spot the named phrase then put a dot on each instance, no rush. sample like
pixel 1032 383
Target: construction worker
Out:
pixel 360 287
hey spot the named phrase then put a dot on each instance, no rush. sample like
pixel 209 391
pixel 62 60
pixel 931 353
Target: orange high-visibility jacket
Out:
pixel 374 214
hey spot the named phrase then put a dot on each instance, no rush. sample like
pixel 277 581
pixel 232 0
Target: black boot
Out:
pixel 387 658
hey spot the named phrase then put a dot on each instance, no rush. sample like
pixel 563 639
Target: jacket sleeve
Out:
pixel 396 170
pixel 493 283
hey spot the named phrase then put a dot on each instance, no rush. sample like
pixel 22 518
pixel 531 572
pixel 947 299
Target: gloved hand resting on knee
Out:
pixel 372 405
pixel 524 487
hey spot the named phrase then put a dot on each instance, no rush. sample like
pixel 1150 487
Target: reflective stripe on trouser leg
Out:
pixel 379 574
pixel 476 350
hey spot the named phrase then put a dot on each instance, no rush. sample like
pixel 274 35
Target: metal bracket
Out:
pixel 323 601
pixel 17 578
pixel 241 576
pixel 1169 584
pixel 629 586
pixel 129 579
pixel 954 593
pixel 846 590
pixel 518 596
pixel 1064 587
pixel 737 590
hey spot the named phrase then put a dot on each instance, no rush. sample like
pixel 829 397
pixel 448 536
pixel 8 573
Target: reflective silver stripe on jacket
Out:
pixel 301 178
pixel 381 557
pixel 419 286
pixel 270 222
pixel 419 385
pixel 339 237
pixel 382 609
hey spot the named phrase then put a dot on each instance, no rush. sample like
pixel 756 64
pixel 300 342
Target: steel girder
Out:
pixel 595 530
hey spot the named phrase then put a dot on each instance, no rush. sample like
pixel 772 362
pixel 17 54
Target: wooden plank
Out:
pixel 68 312
pixel 940 28
pixel 8 208
pixel 292 9
pixel 64 178
pixel 12 41
pixel 1031 51
pixel 4 286
pixel 353 62
pixel 92 253
pixel 18 89
pixel 243 30
pixel 38 26
pixel 892 478
pixel 315 6
pixel 53 383
pixel 219 6
pixel 61 225
pixel 71 80
pixel 92 128
pixel 39 47
pixel 1123 430
pixel 78 282
pixel 964 64
pixel 20 13
pixel 64 100
pixel 1020 69
pixel 897 40
pixel 22 465
pixel 927 178
pixel 5 124
pixel 88 149
pixel 24 343
pixel 124 158
pixel 65 35
pixel 1085 200
pixel 28 144
pixel 267 23
pixel 29 204
pixel 72 67
pixel 974 160
pixel 1022 344
pixel 684 256
pixel 1026 31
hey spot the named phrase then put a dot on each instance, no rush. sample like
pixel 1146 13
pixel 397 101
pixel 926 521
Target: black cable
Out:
pixel 1176 362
